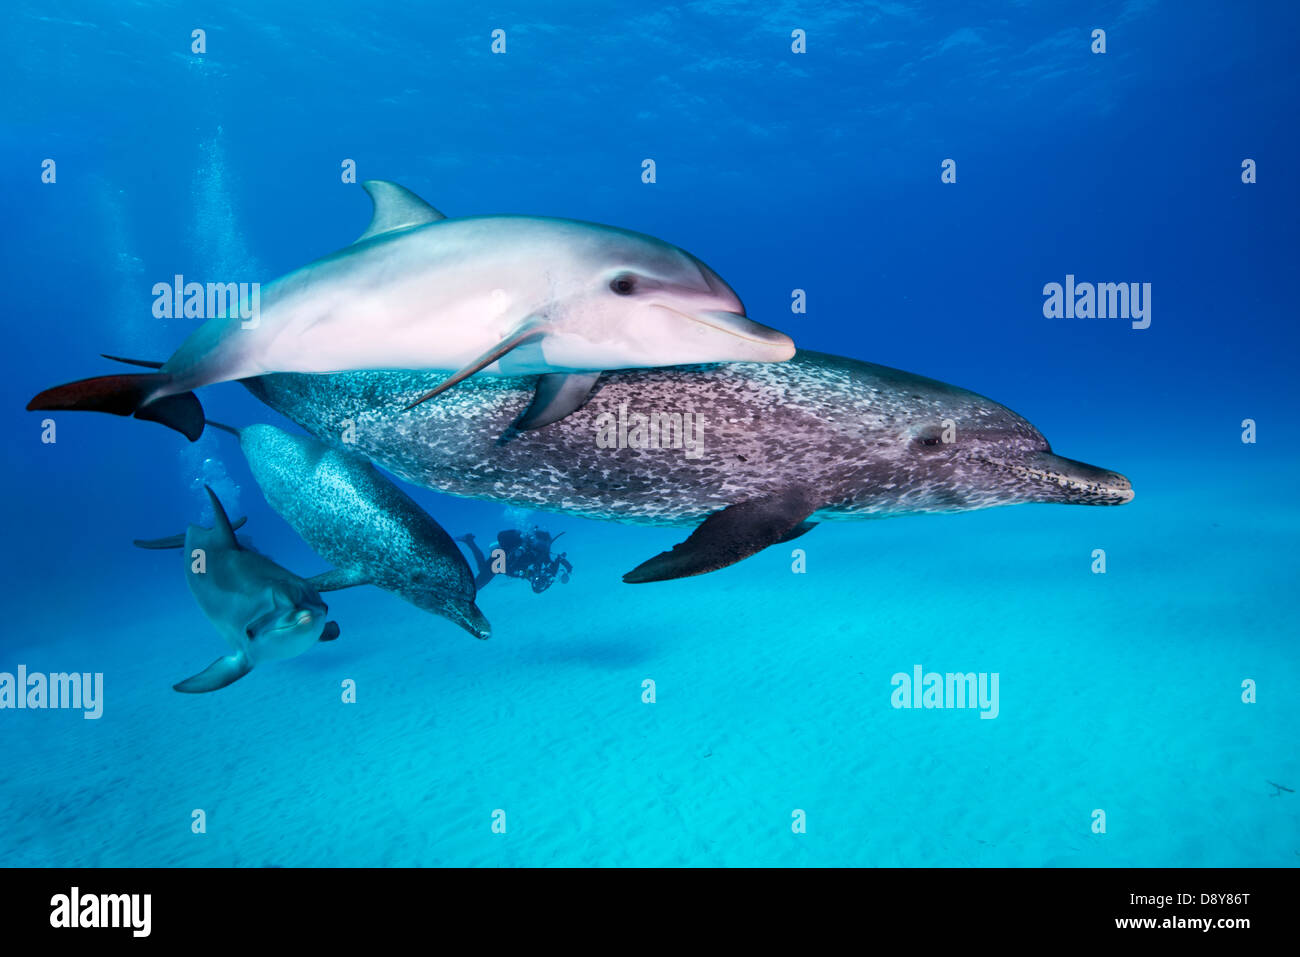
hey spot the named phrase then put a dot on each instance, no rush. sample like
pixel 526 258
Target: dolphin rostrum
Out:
pixel 507 295
pixel 356 519
pixel 776 448
pixel 264 612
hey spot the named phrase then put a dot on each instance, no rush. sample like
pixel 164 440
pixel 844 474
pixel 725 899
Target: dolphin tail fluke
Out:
pixel 182 412
pixel 132 394
pixel 225 670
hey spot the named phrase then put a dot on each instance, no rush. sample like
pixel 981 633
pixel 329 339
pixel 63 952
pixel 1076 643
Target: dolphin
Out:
pixel 777 449
pixel 506 295
pixel 264 612
pixel 362 523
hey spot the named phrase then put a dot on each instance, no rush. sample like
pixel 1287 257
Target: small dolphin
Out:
pixel 264 611
pixel 362 523
pixel 507 295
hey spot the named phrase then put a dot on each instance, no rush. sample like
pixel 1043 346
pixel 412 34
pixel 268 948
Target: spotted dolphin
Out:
pixel 505 295
pixel 777 448
pixel 264 612
pixel 363 524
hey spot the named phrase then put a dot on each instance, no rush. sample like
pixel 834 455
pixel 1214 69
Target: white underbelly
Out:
pixel 387 332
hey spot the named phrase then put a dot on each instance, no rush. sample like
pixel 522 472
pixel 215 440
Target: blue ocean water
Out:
pixel 1121 694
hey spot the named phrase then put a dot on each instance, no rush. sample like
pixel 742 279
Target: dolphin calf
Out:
pixel 776 448
pixel 264 612
pixel 506 295
pixel 362 523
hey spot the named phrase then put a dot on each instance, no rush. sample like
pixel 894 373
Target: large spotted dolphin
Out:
pixel 506 295
pixel 773 449
pixel 265 612
pixel 363 524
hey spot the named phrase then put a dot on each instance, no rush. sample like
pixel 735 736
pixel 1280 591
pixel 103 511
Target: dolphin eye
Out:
pixel 623 284
pixel 929 437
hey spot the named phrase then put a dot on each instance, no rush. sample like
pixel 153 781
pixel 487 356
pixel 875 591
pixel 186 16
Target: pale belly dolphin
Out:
pixel 782 446
pixel 264 612
pixel 363 524
pixel 506 295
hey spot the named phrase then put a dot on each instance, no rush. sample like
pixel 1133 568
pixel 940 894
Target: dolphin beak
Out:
pixel 772 342
pixel 1079 482
pixel 468 616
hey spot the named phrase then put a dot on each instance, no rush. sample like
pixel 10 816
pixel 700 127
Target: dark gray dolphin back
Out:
pixel 362 523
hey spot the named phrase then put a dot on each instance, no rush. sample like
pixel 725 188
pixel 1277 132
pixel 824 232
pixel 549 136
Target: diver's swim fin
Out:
pixel 225 670
pixel 177 541
pixel 730 535
pixel 127 395
pixel 558 394
pixel 526 333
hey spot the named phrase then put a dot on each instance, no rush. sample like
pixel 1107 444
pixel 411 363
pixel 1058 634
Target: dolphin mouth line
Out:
pixel 716 326
pixel 299 620
pixel 1101 492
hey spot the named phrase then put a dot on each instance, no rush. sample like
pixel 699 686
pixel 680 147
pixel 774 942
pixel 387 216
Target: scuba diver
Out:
pixel 524 555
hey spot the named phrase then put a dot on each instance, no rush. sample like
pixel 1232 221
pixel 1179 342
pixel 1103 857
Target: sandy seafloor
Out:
pixel 1118 692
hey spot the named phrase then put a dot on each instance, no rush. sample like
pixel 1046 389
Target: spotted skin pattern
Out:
pixel 362 523
pixel 858 440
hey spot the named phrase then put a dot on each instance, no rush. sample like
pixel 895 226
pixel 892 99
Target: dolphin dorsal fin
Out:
pixel 221 528
pixel 396 207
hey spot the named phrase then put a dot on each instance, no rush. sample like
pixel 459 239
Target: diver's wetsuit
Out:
pixel 527 556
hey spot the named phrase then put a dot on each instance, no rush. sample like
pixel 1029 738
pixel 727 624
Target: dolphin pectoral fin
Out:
pixel 729 536
pixel 803 528
pixel 331 631
pixel 225 670
pixel 396 207
pixel 558 394
pixel 529 331
pixel 337 578
pixel 127 395
pixel 178 541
